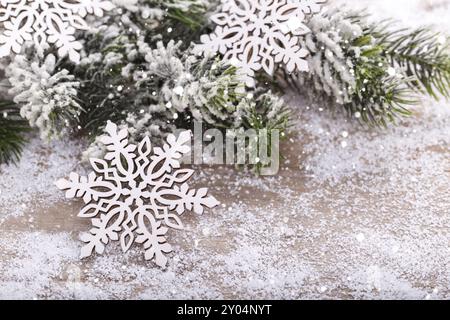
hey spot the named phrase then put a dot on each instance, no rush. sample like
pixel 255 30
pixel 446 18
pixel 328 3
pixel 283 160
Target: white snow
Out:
pixel 370 220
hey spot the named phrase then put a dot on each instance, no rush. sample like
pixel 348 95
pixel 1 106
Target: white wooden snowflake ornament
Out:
pixel 46 22
pixel 255 34
pixel 133 194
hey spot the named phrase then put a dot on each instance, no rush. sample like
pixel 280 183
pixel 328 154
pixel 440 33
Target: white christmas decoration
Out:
pixel 46 22
pixel 255 34
pixel 132 196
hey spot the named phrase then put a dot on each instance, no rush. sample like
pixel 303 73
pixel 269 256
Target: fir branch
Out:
pixel 129 75
pixel 377 98
pixel 264 111
pixel 12 132
pixel 45 93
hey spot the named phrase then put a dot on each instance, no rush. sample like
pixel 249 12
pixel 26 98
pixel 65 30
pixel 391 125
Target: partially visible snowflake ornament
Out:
pixel 133 194
pixel 46 22
pixel 255 34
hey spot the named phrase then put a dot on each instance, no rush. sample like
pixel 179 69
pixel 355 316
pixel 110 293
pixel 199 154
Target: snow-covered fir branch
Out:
pixel 373 71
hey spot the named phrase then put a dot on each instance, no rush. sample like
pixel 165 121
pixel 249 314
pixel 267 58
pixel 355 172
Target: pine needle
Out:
pixel 12 130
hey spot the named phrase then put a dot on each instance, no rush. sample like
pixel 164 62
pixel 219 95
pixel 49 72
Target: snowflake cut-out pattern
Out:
pixel 46 22
pixel 255 34
pixel 135 195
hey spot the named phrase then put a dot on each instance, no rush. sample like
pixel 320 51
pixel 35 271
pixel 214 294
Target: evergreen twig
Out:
pixel 12 132
pixel 422 54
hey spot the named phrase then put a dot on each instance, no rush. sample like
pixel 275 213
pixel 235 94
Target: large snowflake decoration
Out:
pixel 134 194
pixel 46 22
pixel 255 34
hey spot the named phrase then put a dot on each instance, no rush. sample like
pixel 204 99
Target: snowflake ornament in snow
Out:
pixel 46 22
pixel 133 195
pixel 255 34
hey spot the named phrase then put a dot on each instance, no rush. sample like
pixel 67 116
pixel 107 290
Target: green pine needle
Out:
pixel 391 67
pixel 12 130
pixel 422 54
